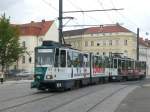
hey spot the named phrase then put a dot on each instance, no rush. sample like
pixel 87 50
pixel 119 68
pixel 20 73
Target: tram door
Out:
pixel 115 66
pixel 60 63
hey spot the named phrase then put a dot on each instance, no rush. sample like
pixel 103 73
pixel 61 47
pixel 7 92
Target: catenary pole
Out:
pixel 137 44
pixel 60 21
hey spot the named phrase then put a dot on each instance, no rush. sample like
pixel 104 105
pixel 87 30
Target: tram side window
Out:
pixel 81 60
pixel 96 61
pixel 123 64
pixel 107 62
pixel 126 64
pixel 63 58
pixel 100 61
pixel 111 62
pixel 69 58
pixel 119 63
pixel 131 64
pixel 56 58
pixel 143 65
pixel 75 59
pixel 115 63
pixel 86 60
pixel 137 65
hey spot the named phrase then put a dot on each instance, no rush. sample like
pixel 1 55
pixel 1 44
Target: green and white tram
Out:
pixel 57 66
pixel 61 67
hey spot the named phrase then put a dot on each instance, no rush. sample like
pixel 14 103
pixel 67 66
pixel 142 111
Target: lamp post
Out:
pixel 137 49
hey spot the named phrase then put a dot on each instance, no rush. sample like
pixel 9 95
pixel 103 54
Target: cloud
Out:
pixel 6 4
pixel 135 13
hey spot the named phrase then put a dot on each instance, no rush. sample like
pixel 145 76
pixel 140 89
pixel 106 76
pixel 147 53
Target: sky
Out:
pixel 135 13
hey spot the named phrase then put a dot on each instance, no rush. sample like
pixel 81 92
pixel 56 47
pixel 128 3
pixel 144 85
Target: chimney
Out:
pixel 43 21
pixel 146 40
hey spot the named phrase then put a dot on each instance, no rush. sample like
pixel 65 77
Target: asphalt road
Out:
pixel 138 100
pixel 18 97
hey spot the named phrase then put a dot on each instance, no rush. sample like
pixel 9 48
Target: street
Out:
pixel 18 97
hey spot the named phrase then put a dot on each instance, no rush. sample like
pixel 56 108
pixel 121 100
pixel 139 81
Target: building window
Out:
pixel 86 43
pixel 77 44
pixel 92 43
pixel 98 44
pixel 126 53
pixel 104 42
pixel 110 42
pixel 74 44
pixel 23 59
pixel 125 42
pixel 23 44
pixel 110 54
pixel 104 53
pixel 117 42
pixel 30 59
pixel 103 34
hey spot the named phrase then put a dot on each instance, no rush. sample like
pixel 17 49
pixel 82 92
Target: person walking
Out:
pixel 1 77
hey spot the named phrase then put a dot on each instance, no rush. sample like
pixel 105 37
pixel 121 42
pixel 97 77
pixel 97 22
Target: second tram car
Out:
pixel 61 67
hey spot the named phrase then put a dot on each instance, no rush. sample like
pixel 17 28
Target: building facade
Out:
pixel 103 40
pixel 108 40
pixel 31 35
pixel 144 52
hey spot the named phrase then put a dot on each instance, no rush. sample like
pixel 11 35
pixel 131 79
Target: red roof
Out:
pixel 101 29
pixel 145 42
pixel 35 28
pixel 107 29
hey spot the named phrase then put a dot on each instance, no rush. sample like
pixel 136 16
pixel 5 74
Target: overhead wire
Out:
pixel 127 19
pixel 49 4
pixel 101 4
pixel 84 14
pixel 123 16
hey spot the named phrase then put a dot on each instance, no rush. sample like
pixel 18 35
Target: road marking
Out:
pixel 146 85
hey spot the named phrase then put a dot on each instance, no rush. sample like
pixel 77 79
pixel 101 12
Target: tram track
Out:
pixel 100 102
pixel 105 98
pixel 41 98
pixel 65 102
pixel 77 98
pixel 113 93
pixel 27 102
pixel 22 96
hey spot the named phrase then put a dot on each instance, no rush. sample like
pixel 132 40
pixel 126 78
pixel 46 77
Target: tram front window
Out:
pixel 44 57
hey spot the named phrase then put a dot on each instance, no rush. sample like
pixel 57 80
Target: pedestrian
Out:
pixel 2 77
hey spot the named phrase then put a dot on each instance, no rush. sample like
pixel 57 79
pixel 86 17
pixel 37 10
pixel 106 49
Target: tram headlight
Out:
pixel 49 77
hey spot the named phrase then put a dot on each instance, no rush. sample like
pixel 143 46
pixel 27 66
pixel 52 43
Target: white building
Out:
pixel 32 35
pixel 144 52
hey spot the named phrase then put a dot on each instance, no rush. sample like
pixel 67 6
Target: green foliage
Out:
pixel 10 49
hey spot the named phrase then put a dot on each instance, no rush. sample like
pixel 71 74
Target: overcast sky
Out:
pixel 136 13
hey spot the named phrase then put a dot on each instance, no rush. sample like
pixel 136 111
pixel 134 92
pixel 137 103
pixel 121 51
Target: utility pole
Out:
pixel 137 44
pixel 60 18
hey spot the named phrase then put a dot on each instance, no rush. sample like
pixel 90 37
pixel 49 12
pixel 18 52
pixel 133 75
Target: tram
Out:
pixel 61 67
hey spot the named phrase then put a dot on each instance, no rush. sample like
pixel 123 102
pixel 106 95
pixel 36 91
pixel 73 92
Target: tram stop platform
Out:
pixel 138 100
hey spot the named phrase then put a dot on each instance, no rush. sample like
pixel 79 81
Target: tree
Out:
pixel 10 49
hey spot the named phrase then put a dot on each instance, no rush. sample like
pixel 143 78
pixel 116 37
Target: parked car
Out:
pixel 24 74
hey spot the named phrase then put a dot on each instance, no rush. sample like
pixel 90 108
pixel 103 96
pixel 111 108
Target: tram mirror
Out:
pixel 30 59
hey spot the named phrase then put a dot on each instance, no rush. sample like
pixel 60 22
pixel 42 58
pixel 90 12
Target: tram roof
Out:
pixel 53 44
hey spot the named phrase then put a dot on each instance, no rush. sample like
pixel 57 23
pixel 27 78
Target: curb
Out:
pixel 17 82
